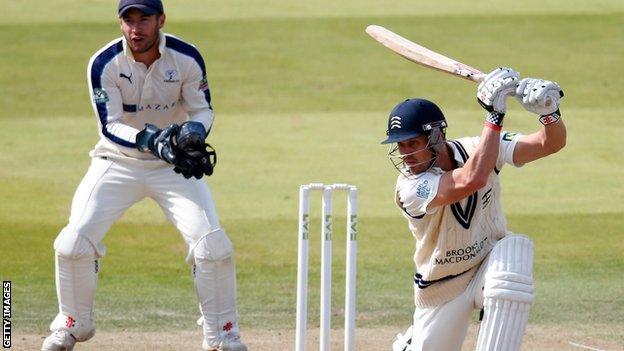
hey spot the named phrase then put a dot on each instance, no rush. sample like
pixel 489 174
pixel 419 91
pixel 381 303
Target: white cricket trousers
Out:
pixel 109 188
pixel 502 285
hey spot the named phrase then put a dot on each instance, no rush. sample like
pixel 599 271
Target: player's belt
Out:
pixel 422 284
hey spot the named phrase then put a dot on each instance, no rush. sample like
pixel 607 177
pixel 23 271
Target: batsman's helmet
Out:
pixel 412 118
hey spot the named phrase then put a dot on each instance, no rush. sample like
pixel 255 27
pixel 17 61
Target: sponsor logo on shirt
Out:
pixel 156 107
pixel 129 78
pixel 463 254
pixel 171 76
pixel 100 96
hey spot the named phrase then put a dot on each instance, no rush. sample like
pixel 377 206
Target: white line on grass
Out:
pixel 584 347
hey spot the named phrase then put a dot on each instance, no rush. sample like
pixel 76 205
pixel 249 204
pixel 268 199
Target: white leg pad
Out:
pixel 215 284
pixel 508 294
pixel 76 279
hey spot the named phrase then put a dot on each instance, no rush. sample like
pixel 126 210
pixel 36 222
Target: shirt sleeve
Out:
pixel 106 99
pixel 506 149
pixel 413 195
pixel 196 94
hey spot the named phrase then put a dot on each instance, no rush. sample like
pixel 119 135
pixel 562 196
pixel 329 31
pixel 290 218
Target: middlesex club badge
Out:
pixel 423 190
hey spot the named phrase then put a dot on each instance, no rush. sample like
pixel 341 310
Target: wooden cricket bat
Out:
pixel 423 56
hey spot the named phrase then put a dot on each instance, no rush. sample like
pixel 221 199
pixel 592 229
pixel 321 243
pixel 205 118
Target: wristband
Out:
pixel 551 118
pixel 495 118
pixel 493 126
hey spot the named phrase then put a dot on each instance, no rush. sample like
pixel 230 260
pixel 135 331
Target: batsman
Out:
pixel 150 94
pixel 450 193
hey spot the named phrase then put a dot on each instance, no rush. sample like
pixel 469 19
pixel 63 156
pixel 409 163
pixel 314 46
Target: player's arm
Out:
pixel 107 102
pixel 196 98
pixel 542 98
pixel 461 182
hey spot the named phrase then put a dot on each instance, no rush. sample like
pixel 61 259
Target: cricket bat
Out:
pixel 423 56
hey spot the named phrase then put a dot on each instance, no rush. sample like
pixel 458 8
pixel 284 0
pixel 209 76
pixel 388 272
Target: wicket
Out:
pixel 326 265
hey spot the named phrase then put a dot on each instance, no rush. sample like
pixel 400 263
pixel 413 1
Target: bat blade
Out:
pixel 421 55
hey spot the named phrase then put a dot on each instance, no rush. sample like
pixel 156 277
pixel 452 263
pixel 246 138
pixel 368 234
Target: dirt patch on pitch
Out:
pixel 537 338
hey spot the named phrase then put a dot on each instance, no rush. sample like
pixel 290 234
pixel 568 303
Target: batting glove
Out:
pixel 541 97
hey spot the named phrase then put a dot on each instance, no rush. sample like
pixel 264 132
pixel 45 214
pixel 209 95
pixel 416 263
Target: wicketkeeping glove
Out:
pixel 541 97
pixel 159 141
pixel 199 157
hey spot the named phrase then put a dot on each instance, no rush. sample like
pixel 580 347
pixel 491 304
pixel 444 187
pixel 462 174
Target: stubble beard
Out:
pixel 147 47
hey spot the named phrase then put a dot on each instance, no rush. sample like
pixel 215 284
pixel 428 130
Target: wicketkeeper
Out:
pixel 150 94
pixel 450 193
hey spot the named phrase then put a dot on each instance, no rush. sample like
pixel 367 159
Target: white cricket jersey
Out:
pixel 452 240
pixel 126 94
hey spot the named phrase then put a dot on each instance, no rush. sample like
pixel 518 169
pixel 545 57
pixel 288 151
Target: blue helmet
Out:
pixel 412 118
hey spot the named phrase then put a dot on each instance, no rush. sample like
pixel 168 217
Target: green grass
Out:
pixel 301 95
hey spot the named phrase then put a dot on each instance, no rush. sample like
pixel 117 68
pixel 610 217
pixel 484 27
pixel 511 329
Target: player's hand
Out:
pixel 539 96
pixel 159 141
pixel 495 88
pixel 196 157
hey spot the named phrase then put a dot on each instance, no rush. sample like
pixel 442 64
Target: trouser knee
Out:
pixel 71 245
pixel 212 247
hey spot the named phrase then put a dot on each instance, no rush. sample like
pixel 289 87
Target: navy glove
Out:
pixel 159 141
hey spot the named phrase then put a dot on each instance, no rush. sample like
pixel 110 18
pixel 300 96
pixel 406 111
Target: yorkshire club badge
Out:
pixel 171 76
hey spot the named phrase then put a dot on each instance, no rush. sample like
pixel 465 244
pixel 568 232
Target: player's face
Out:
pixel 141 30
pixel 415 154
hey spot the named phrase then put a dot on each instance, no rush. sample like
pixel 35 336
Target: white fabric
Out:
pixel 496 87
pixel 106 191
pixel 508 294
pixel 454 239
pixel 215 285
pixel 215 246
pixel 172 90
pixel 214 273
pixel 538 96
pixel 76 268
pixel 444 327
pixel 109 188
pixel 414 193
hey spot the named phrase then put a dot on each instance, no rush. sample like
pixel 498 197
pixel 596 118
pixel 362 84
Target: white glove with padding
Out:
pixel 495 88
pixel 539 96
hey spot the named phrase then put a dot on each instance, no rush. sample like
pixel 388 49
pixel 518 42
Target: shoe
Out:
pixel 60 340
pixel 402 342
pixel 229 342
